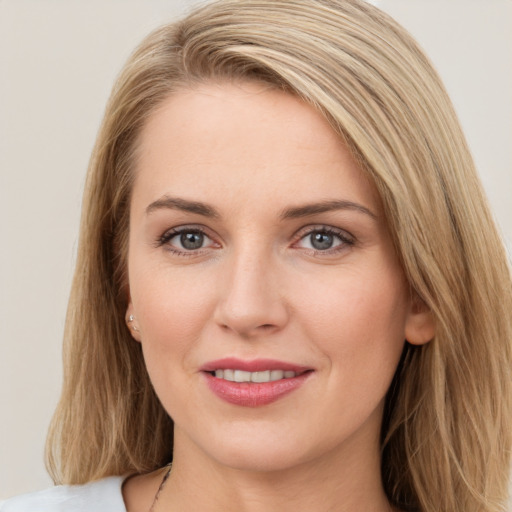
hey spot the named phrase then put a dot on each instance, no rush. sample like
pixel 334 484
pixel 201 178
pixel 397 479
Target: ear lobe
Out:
pixel 420 325
pixel 131 322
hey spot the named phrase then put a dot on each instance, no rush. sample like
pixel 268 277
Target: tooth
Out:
pixel 276 375
pixel 241 376
pixel 263 376
pixel 229 375
pixel 260 376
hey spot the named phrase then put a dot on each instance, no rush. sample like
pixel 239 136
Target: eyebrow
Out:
pixel 199 208
pixel 325 206
pixel 176 203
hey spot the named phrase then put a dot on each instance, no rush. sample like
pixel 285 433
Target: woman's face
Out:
pixel 259 252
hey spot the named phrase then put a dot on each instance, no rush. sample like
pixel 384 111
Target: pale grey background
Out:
pixel 58 60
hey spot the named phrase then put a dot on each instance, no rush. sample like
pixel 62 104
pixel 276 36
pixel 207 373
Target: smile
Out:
pixel 263 376
pixel 254 383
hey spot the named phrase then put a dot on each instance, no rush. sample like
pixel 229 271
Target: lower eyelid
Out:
pixel 165 241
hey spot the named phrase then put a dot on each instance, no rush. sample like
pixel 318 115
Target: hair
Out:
pixel 446 436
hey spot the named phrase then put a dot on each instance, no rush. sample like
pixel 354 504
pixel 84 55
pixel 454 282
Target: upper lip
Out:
pixel 255 365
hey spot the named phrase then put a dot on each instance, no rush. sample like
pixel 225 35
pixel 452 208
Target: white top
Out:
pixel 101 496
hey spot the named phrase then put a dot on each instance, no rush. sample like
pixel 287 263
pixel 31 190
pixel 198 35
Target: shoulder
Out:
pixel 101 496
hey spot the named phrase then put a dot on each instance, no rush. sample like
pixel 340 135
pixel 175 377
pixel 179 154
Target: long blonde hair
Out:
pixel 446 437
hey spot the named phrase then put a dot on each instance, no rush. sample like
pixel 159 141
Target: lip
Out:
pixel 252 394
pixel 255 365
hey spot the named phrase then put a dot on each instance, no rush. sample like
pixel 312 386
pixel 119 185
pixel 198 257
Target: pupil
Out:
pixel 192 240
pixel 321 241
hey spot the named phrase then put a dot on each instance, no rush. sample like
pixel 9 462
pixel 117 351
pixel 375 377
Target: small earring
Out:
pixel 131 318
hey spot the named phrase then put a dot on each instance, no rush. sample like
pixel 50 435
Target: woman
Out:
pixel 285 249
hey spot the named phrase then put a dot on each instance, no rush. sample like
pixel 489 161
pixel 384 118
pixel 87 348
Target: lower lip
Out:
pixel 254 394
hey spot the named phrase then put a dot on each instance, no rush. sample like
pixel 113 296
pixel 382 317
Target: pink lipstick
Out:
pixel 253 383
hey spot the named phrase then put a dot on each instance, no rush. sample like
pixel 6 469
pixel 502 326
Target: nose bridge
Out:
pixel 250 299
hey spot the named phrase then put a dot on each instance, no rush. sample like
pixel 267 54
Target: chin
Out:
pixel 261 447
pixel 257 459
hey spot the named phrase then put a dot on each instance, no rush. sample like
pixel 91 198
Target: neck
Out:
pixel 345 479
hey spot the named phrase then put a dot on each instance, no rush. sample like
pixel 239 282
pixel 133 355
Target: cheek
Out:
pixel 358 321
pixel 359 330
pixel 172 310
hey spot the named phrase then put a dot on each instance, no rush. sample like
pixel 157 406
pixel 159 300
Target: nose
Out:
pixel 251 301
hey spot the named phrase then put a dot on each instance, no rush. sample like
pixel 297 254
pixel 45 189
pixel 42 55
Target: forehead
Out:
pixel 242 140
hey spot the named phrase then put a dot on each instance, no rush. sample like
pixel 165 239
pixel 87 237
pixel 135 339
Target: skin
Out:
pixel 257 288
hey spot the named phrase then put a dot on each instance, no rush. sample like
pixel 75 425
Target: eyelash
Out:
pixel 172 233
pixel 345 238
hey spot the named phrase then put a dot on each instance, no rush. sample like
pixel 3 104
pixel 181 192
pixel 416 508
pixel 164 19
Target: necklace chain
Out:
pixel 162 485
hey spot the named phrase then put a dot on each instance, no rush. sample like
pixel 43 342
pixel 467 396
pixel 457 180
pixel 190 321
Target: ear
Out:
pixel 131 322
pixel 420 326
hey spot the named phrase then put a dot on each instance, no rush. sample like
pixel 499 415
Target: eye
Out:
pixel 325 239
pixel 183 240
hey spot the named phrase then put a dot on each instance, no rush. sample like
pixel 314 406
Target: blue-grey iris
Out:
pixel 321 241
pixel 192 240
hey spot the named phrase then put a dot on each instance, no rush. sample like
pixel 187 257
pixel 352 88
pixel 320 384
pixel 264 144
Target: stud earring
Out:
pixel 130 320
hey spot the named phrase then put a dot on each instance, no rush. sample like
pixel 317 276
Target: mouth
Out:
pixel 254 383
pixel 233 375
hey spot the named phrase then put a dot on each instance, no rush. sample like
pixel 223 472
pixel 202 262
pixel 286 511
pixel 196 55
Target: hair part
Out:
pixel 446 439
